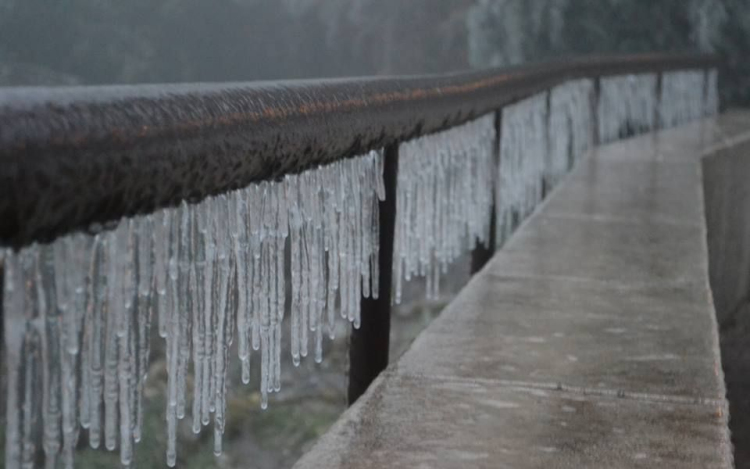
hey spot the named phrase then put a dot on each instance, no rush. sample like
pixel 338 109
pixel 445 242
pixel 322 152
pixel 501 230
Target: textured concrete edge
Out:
pixel 728 142
pixel 727 449
pixel 331 449
pixel 710 152
pixel 656 399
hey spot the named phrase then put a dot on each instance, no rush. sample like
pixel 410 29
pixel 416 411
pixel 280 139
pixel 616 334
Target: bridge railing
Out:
pixel 210 206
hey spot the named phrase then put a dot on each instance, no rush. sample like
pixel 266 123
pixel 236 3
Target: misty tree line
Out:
pixel 108 41
pixel 506 32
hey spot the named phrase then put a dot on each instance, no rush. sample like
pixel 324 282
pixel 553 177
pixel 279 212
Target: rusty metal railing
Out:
pixel 82 157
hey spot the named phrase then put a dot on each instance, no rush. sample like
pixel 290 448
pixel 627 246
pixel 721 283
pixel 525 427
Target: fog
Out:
pixel 156 41
pixel 93 42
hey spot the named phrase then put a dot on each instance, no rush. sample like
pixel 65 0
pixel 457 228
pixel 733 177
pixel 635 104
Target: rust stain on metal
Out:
pixel 170 143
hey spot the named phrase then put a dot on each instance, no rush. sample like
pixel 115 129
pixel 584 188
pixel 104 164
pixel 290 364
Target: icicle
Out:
pixel 248 221
pixel 162 229
pixel 175 318
pixel 206 255
pixel 32 339
pixel 221 289
pixel 51 336
pixel 85 303
pixel 240 244
pixel 184 307
pixel 112 316
pixel 276 269
pixel 682 97
pixel 145 227
pixel 96 336
pixel 196 268
pixel 627 104
pixel 711 107
pixel 295 226
pixel 255 244
pixel 444 193
pixel 122 295
pixel 15 305
pixel 304 285
pixel 523 158
pixel 280 289
pixel 570 132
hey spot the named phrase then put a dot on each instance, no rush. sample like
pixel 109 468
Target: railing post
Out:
pixel 368 345
pixel 482 254
pixel 657 103
pixel 706 75
pixel 2 312
pixel 595 112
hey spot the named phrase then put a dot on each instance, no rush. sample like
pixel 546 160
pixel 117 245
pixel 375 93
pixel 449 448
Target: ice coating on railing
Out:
pixel 78 312
pixel 683 97
pixel 627 104
pixel 443 200
pixel 630 104
pixel 712 93
pixel 523 162
pixel 570 131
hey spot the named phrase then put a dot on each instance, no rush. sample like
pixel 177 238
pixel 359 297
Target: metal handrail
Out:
pixel 72 158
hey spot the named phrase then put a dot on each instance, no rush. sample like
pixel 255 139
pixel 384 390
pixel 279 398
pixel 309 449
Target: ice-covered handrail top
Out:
pixel 139 148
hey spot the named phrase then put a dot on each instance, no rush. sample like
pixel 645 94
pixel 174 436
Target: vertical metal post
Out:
pixel 368 345
pixel 706 74
pixel 595 131
pixel 2 312
pixel 657 106
pixel 482 254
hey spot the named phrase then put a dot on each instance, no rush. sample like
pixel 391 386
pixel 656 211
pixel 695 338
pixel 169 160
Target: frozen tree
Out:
pixel 509 32
pixel 707 18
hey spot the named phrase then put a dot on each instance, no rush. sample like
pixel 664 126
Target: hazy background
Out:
pixel 68 42
pixel 136 41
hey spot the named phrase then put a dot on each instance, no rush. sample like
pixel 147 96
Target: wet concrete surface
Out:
pixel 589 341
pixel 727 200
pixel 418 422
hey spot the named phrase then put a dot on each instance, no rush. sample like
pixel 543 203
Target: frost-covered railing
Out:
pixel 233 212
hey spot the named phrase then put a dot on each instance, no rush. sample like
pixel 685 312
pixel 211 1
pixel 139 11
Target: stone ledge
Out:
pixel 417 422
pixel 590 340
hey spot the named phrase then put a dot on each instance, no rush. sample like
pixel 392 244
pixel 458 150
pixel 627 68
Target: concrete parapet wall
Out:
pixel 590 340
pixel 726 181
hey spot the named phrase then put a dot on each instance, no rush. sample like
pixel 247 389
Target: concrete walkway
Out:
pixel 589 341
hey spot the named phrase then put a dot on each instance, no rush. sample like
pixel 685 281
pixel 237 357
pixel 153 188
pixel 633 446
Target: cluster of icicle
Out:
pixel 570 123
pixel 444 195
pixel 626 102
pixel 78 311
pixel 523 162
pixel 682 97
pixel 712 93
